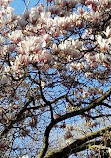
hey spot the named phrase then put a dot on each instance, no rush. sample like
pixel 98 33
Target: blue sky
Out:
pixel 19 5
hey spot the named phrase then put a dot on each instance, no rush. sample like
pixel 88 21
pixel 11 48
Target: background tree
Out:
pixel 55 79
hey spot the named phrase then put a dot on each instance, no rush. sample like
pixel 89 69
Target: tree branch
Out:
pixel 85 109
pixel 69 115
pixel 18 117
pixel 78 145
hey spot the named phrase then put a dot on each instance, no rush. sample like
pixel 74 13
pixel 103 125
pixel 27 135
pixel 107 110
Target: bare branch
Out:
pixel 78 145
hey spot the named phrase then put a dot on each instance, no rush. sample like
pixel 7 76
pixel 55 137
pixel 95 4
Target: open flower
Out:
pixel 22 22
pixel 5 2
pixel 34 15
pixel 31 44
pixel 15 36
pixel 45 56
pixel 47 37
pixel 103 43
pixel 107 32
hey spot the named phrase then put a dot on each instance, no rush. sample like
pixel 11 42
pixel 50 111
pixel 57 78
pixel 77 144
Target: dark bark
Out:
pixel 78 145
pixel 70 149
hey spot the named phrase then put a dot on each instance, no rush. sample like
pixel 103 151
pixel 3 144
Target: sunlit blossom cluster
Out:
pixel 104 43
pixel 69 47
pixel 5 2
pixel 34 38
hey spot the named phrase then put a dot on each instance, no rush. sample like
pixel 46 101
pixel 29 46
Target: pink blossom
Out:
pixel 54 48
pixel 45 15
pixel 105 2
pixel 30 45
pixel 94 4
pixel 88 74
pixel 40 7
pixel 76 66
pixel 89 58
pixel 49 22
pixel 1 40
pixel 12 47
pixel 73 18
pixel 16 36
pixel 63 22
pixel 47 37
pixel 103 43
pixel 107 32
pixel 5 2
pixel 45 56
pixel 34 15
pixel 81 10
pixel 35 58
pixel 26 15
pixel 75 53
pixel 85 94
pixel 55 9
pixel 55 32
pixel 22 22
pixel 9 10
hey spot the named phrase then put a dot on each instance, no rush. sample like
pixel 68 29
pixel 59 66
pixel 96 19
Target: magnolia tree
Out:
pixel 55 74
